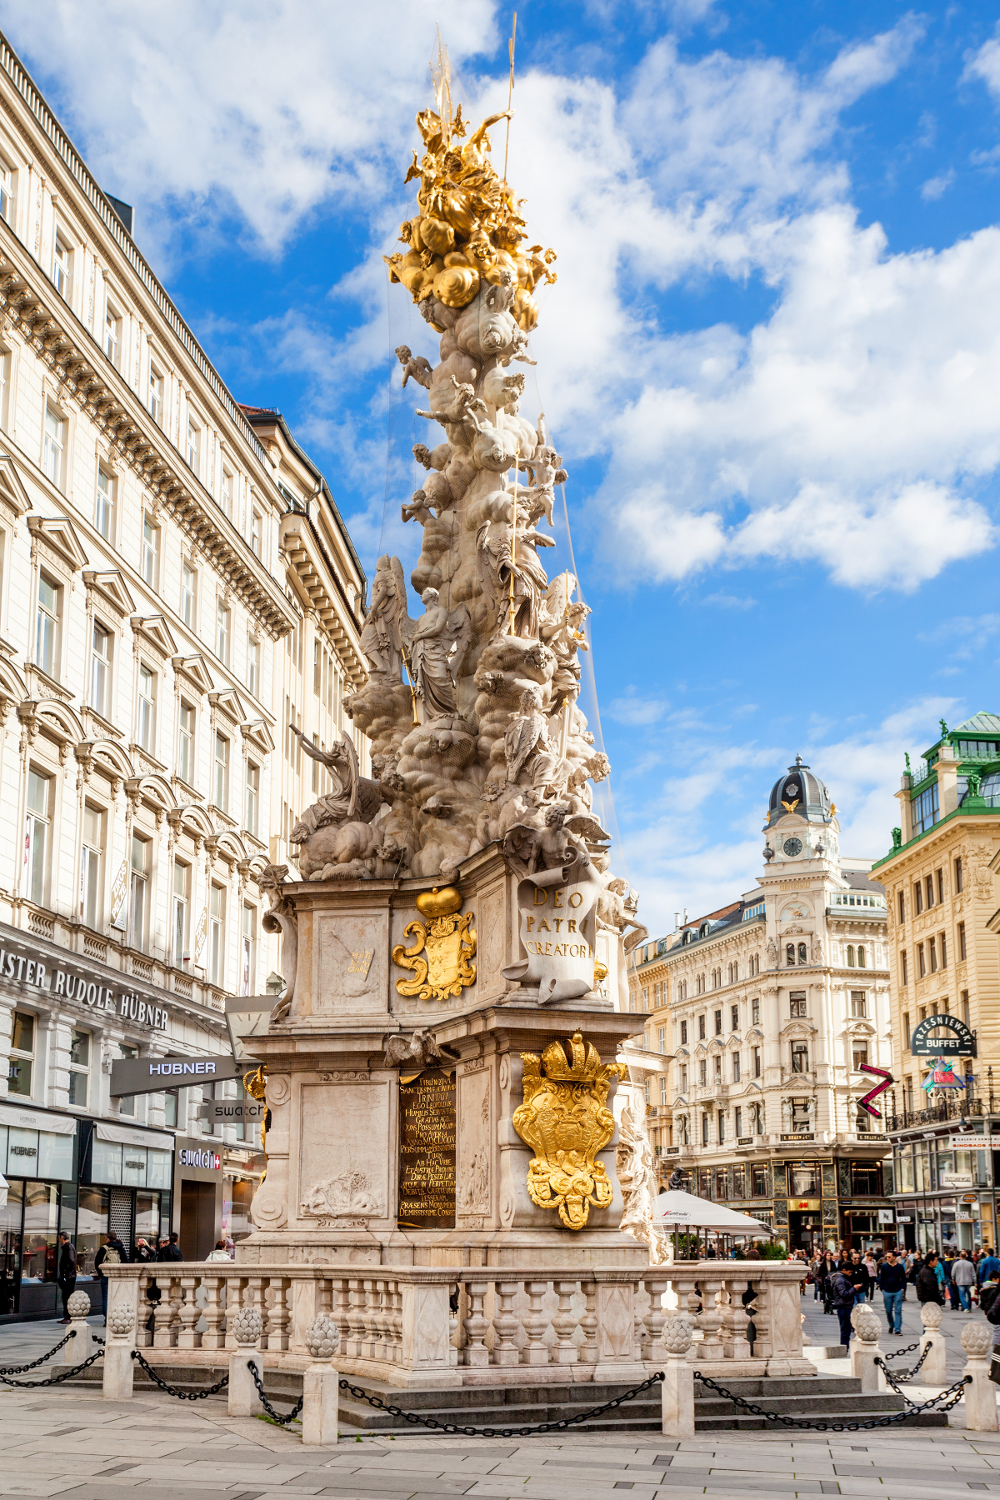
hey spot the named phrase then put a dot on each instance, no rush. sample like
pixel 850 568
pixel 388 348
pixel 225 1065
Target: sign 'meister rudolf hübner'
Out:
pixel 69 986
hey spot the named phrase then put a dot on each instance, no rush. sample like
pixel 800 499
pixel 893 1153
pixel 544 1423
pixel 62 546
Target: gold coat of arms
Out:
pixel 441 956
pixel 566 1122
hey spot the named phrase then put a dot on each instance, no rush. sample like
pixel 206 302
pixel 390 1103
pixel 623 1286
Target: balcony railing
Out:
pixel 946 1109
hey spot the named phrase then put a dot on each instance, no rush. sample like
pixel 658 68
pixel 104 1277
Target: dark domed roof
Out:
pixel 802 793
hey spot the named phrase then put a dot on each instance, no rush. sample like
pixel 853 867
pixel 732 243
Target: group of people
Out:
pixel 956 1279
pixel 112 1253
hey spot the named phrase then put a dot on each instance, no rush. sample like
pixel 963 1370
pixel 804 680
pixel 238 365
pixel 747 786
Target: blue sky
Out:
pixel 771 361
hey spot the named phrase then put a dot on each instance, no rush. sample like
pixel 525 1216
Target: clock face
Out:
pixel 792 847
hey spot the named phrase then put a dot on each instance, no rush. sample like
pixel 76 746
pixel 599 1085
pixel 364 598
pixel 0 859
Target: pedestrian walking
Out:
pixel 988 1268
pixel 929 1287
pixel 111 1253
pixel 892 1284
pixel 963 1279
pixel 872 1269
pixel 170 1250
pixel 66 1268
pixel 843 1296
pixel 219 1253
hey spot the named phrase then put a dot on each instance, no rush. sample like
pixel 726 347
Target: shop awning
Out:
pixel 36 1119
pixel 120 1135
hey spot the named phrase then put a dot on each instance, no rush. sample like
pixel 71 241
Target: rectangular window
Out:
pixel 22 1053
pixel 718 1067
pixel 53 445
pixel 217 933
pixel 248 965
pixel 663 1089
pixel 904 968
pixel 155 395
pixel 47 625
pixel 859 1004
pixel 701 1028
pixel 138 892
pixel 193 445
pixel 112 333
pixel 929 883
pixel 906 1029
pixel 182 874
pixel 739 1185
pixel 859 1055
pixel 755 1012
pixel 62 267
pixel 221 786
pixel 932 946
pixel 104 504
pixel 126 1106
pixel 921 964
pixel 720 1177
pixel 91 850
pixel 256 531
pixel 684 1078
pixel 227 492
pixel 804 1182
pixel 189 586
pixel 756 1062
pixel 736 1067
pixel 703 1071
pixel 918 898
pixel 684 1033
pixel 943 943
pixel 185 743
pixel 704 1133
pixel 800 1057
pixel 940 886
pixel 145 729
pixel 924 811
pixel 253 665
pixel 150 561
pixel 797 1003
pixel 734 1017
pixel 965 1008
pixel 253 804
pixel 958 874
pixel 36 843
pixel 661 1038
pixel 79 1068
pixel 902 907
pixel 718 1023
pixel 6 193
pixel 866 1179
pixel 961 940
pixel 100 667
pixel 222 633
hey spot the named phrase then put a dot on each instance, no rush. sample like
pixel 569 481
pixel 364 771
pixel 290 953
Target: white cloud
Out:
pixel 935 187
pixel 635 709
pixel 985 65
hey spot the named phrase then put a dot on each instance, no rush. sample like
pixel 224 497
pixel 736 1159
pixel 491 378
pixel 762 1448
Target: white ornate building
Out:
pixel 176 585
pixel 758 1017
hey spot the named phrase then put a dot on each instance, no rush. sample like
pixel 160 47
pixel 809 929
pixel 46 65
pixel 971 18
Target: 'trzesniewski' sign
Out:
pixel 961 1042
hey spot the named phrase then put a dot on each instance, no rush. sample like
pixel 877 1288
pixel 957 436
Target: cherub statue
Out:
pixel 503 390
pixel 436 458
pixel 545 468
pixel 419 508
pixel 461 408
pixel 415 366
pixel 560 843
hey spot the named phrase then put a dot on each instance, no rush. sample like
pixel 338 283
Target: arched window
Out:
pixel 790 955
pixel 861 957
pixel 850 955
pixel 803 959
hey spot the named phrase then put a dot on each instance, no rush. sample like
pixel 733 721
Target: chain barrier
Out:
pixel 172 1390
pixel 504 1432
pixel 898 1353
pixel 55 1379
pixel 281 1421
pixel 894 1419
pixel 905 1375
pixel 20 1369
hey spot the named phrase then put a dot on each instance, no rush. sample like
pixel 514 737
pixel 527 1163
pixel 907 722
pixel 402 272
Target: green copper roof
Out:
pixel 981 723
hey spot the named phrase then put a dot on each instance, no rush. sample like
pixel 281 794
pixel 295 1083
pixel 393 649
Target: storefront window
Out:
pixel 106 1162
pixel 904 1172
pixel 56 1155
pixel 805 1182
pixel 921 1169
pixel 147 1217
pixel 158 1169
pixel 41 1224
pixel 760 1182
pixel 10 1248
pixel 91 1226
pixel 866 1179
pixel 739 1182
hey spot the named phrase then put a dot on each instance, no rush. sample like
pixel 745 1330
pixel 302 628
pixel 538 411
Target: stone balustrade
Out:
pixel 424 1326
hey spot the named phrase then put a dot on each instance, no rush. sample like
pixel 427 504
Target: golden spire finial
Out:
pixel 441 83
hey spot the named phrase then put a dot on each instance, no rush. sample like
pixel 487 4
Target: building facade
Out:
pixel 758 1018
pixel 941 888
pixel 176 585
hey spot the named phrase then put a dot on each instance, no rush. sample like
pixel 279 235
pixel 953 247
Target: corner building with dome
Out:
pixel 757 1019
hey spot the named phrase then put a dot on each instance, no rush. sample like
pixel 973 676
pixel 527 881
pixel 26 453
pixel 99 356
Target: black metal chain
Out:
pixel 20 1369
pixel 898 1353
pixel 281 1421
pixel 56 1379
pixel 504 1432
pixel 906 1375
pixel 954 1391
pixel 172 1390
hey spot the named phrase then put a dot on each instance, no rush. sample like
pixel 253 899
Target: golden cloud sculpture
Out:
pixel 566 1122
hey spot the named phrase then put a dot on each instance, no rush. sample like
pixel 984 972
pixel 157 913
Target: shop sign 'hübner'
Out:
pixel 149 1075
pixel 77 987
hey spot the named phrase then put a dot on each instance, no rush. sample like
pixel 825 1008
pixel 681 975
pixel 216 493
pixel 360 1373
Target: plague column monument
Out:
pixel 441 1067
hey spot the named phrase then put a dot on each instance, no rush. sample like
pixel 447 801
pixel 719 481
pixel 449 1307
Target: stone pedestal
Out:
pixel 320 1406
pixel 933 1371
pixel 333 1144
pixel 980 1393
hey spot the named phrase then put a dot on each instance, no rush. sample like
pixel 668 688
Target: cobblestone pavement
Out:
pixel 67 1441
pixel 823 1328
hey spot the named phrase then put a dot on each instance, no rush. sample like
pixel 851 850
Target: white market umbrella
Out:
pixel 677 1210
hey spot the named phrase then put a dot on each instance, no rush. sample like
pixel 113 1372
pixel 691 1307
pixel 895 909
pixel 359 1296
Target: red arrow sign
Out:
pixel 880 1088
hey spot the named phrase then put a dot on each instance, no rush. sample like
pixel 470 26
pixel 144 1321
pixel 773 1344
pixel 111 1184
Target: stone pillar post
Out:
pixel 119 1366
pixel 678 1380
pixel 321 1385
pixel 981 1395
pixel 932 1371
pixel 865 1349
pixel 247 1325
pixel 82 1346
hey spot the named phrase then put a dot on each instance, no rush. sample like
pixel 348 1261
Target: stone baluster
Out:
pixel 397 1322
pixel 640 1335
pixel 341 1296
pixel 213 1311
pixel 167 1309
pixel 278 1319
pixel 762 1320
pixel 505 1325
pixel 734 1321
pixel 187 1338
pixel 255 1296
pixel 588 1323
pixel 454 1332
pixel 355 1319
pixel 564 1323
pixel 379 1323
pixel 710 1321
pixel 656 1286
pixel 535 1323
pixel 475 1352
pixel 236 1297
